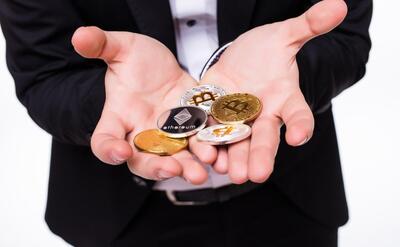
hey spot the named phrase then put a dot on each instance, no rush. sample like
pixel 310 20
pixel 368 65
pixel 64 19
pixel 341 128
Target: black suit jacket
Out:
pixel 90 202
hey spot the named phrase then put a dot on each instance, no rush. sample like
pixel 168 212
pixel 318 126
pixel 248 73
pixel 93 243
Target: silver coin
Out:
pixel 202 96
pixel 182 121
pixel 222 134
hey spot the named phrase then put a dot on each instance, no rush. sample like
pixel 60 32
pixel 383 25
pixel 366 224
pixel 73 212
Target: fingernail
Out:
pixel 164 175
pixel 303 142
pixel 116 158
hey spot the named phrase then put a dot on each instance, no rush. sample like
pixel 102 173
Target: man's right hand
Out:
pixel 142 81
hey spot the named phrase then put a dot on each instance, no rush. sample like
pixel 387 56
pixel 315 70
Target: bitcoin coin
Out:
pixel 222 134
pixel 202 96
pixel 236 108
pixel 182 121
pixel 155 142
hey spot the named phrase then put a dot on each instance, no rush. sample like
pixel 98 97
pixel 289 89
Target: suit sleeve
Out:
pixel 335 61
pixel 63 93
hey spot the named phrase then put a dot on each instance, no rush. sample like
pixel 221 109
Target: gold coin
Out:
pixel 236 108
pixel 155 142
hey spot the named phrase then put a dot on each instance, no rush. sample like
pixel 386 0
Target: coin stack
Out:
pixel 231 111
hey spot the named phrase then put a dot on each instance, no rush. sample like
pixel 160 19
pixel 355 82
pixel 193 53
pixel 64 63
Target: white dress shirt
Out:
pixel 196 34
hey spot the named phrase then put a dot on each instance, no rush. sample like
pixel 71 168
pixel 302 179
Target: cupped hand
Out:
pixel 262 62
pixel 143 80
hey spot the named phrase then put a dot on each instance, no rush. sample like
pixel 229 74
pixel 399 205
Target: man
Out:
pixel 293 61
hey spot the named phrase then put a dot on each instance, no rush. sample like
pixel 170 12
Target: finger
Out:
pixel 263 148
pixel 193 171
pixel 238 154
pixel 207 154
pixel 299 120
pixel 92 42
pixel 108 140
pixel 212 155
pixel 221 164
pixel 319 19
pixel 154 167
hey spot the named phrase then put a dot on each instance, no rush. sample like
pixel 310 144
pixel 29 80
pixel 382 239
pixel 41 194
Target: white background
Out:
pixel 368 125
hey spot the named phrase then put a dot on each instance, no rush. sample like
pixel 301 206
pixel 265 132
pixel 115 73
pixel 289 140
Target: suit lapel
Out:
pixel 153 18
pixel 234 18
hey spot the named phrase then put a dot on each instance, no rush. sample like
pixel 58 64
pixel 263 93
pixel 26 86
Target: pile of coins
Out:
pixel 231 111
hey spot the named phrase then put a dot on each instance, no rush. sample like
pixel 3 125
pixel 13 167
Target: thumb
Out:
pixel 92 42
pixel 108 140
pixel 319 19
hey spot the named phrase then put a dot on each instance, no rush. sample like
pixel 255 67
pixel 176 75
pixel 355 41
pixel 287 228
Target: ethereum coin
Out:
pixel 156 142
pixel 182 121
pixel 202 96
pixel 236 108
pixel 222 134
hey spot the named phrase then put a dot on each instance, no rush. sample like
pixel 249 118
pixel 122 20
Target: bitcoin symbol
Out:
pixel 237 106
pixel 221 132
pixel 202 97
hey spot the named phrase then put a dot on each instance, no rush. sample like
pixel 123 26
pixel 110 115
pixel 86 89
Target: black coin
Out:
pixel 182 121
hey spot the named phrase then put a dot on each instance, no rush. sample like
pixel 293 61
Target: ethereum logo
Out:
pixel 183 116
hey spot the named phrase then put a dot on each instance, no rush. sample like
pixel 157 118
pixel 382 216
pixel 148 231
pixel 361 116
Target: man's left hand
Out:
pixel 262 62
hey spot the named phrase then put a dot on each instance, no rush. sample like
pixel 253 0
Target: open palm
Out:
pixel 262 62
pixel 142 81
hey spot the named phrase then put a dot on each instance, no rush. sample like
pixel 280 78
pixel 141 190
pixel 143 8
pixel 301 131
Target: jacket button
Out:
pixel 139 181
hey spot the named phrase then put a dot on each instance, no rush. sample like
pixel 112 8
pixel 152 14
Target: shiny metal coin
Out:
pixel 236 108
pixel 156 142
pixel 202 96
pixel 222 134
pixel 182 121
